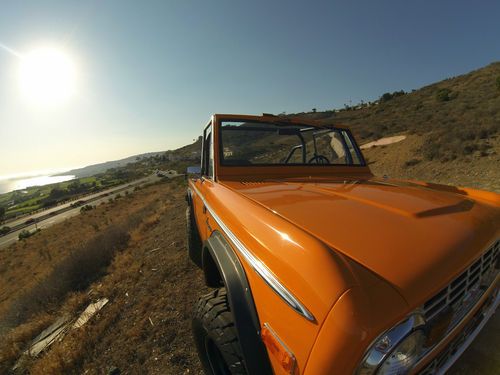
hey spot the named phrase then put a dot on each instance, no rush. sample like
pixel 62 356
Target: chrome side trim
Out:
pixel 259 267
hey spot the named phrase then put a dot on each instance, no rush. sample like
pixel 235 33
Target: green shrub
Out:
pixel 443 95
pixel 4 230
pixel 388 96
pixel 86 208
pixel 24 234
pixel 498 82
pixel 470 148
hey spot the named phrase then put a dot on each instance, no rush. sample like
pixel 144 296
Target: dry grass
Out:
pixel 26 263
pixel 455 128
pixel 145 328
pixel 404 160
pixel 74 273
pixel 70 271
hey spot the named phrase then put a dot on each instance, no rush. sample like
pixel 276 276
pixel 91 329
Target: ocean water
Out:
pixel 19 183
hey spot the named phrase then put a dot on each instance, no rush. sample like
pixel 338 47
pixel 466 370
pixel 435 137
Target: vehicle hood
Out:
pixel 415 237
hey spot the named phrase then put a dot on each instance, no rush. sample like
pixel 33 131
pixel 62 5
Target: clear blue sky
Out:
pixel 150 73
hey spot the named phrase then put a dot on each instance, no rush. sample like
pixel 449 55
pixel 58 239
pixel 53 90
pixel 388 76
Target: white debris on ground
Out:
pixel 48 336
pixel 57 331
pixel 89 312
pixel 384 141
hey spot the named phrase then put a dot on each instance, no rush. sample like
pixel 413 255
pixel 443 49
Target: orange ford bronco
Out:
pixel 318 267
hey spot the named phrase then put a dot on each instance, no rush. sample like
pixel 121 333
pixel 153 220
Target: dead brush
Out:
pixel 150 222
pixel 84 265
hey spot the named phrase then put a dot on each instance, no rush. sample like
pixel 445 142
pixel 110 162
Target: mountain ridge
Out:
pixel 94 169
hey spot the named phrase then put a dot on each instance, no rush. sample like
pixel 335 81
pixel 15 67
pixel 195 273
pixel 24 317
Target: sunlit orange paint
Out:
pixel 359 252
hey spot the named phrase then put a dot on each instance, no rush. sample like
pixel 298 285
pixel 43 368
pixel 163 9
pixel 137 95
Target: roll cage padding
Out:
pixel 241 303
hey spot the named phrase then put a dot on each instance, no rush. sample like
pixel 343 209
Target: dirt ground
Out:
pixel 152 286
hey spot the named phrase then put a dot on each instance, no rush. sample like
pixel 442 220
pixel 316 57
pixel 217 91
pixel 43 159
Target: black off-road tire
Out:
pixel 193 238
pixel 215 335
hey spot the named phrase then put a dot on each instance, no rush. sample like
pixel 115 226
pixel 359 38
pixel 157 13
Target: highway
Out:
pixel 52 216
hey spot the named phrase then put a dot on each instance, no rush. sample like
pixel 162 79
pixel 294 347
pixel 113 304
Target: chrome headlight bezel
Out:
pixel 381 348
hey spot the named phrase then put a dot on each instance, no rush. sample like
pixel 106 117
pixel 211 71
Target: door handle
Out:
pixel 204 209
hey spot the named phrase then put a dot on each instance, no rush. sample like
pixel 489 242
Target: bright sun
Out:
pixel 47 77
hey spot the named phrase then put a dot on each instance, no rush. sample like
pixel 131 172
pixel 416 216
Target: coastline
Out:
pixel 8 185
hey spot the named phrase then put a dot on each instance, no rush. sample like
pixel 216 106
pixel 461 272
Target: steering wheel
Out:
pixel 319 159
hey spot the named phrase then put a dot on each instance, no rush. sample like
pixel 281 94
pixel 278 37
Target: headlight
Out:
pixel 396 351
pixel 404 356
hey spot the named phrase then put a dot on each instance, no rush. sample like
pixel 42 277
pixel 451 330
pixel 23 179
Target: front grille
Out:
pixel 465 290
pixel 458 342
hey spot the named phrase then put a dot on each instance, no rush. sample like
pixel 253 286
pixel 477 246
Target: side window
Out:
pixel 208 153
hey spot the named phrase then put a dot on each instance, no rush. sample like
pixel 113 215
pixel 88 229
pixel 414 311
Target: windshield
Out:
pixel 259 143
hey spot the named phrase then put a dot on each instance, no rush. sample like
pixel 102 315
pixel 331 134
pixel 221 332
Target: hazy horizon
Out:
pixel 88 82
pixel 53 171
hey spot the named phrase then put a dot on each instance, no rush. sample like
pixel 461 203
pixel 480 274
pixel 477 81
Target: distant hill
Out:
pixel 458 116
pixel 187 152
pixel 452 128
pixel 178 158
pixel 94 169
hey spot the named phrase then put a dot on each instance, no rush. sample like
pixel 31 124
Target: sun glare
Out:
pixel 47 77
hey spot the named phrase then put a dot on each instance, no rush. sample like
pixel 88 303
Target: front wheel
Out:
pixel 215 335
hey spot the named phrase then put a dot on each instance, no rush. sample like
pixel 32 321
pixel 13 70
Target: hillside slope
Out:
pixel 91 170
pixel 453 127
